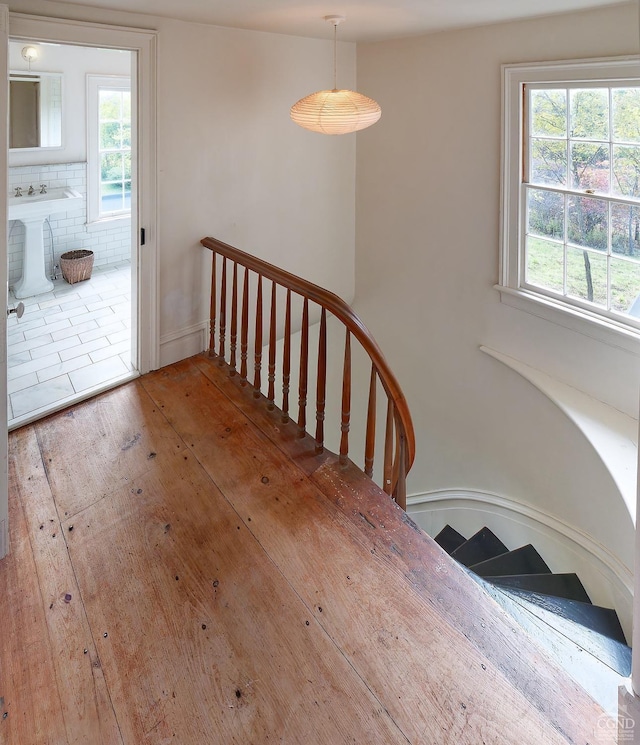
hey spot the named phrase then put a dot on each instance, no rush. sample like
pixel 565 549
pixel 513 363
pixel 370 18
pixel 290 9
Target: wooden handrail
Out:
pixel 399 435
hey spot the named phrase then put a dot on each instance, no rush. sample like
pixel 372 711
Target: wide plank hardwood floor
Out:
pixel 184 569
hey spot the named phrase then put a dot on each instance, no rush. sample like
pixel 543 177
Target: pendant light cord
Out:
pixel 335 56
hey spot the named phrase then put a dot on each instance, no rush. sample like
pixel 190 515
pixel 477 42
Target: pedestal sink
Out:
pixel 31 211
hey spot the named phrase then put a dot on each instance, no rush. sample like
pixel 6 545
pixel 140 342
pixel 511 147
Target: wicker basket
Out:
pixel 76 266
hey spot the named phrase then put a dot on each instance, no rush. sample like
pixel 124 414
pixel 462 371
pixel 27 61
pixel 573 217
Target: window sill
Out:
pixel 582 321
pixel 105 223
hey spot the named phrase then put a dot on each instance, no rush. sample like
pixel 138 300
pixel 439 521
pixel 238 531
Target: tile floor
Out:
pixel 70 343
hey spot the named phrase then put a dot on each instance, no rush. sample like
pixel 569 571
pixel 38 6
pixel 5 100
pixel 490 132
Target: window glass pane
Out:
pixel 587 276
pixel 590 166
pixel 549 113
pixel 625 285
pixel 110 135
pixel 625 230
pixel 126 158
pixel 111 197
pixel 110 105
pixel 126 105
pixel 112 190
pixel 114 150
pixel 626 114
pixel 588 222
pixel 111 169
pixel 626 170
pixel 589 117
pixel 545 216
pixel 545 264
pixel 548 163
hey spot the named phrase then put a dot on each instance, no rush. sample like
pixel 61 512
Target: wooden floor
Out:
pixel 176 577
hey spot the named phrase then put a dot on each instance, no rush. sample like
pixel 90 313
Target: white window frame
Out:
pixel 94 84
pixel 571 314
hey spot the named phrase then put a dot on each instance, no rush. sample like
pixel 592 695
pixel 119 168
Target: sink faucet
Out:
pixel 31 190
pixel 18 191
pixel 43 188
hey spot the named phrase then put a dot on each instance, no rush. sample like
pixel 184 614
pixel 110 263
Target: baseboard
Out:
pixel 184 343
pixel 565 548
pixel 4 539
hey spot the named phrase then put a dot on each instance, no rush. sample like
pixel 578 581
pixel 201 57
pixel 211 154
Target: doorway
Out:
pixel 142 44
pixel 136 50
pixel 76 336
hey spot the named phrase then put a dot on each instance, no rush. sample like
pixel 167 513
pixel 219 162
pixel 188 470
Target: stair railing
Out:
pixel 237 280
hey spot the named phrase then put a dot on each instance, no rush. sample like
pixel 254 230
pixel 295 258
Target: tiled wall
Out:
pixel 68 230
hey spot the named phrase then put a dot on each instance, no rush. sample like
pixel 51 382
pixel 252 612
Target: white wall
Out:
pixel 232 164
pixel 427 260
pixel 238 169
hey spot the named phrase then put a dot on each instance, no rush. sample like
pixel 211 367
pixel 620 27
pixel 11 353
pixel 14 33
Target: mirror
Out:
pixel 35 110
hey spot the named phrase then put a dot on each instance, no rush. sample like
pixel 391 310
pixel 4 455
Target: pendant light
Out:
pixel 335 112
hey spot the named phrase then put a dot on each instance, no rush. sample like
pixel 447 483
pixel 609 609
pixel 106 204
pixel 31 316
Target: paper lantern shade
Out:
pixel 335 112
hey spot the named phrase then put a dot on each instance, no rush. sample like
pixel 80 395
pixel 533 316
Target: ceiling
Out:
pixel 367 20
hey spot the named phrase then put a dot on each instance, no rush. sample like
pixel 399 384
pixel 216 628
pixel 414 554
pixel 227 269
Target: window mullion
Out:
pixel 522 235
pixel 526 136
pixel 609 206
pixel 565 246
pixel 615 199
pixel 569 185
pixel 609 254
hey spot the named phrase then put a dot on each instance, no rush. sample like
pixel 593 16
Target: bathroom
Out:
pixel 73 339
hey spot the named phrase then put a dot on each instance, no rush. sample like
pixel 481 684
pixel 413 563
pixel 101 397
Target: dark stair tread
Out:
pixel 614 654
pixel 523 560
pixel 481 546
pixel 598 679
pixel 603 620
pixel 449 539
pixel 562 585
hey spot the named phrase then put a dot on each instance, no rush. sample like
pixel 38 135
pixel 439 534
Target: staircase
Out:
pixel 555 609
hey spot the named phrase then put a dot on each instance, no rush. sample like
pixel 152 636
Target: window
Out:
pixel 571 188
pixel 114 148
pixel 109 169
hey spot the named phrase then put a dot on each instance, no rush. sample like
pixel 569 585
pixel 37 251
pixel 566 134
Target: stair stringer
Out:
pixel 608 582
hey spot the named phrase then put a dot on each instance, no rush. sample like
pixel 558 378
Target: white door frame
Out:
pixel 145 270
pixel 143 42
pixel 4 152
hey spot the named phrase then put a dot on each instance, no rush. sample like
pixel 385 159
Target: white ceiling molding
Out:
pixel 369 20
